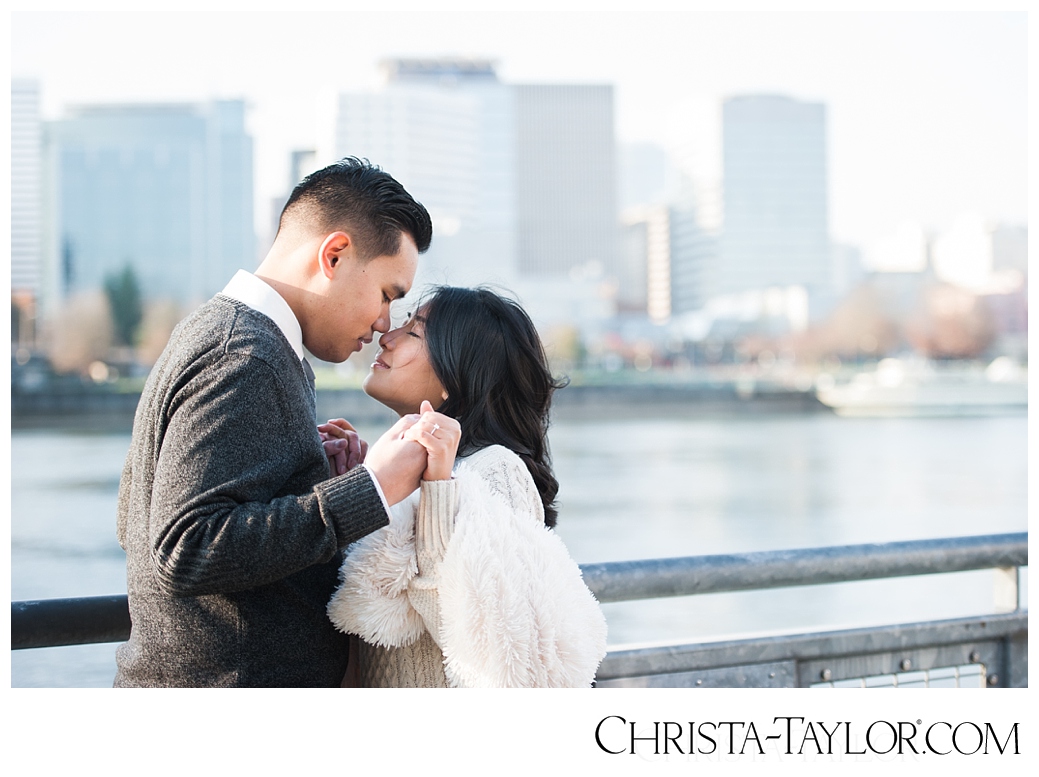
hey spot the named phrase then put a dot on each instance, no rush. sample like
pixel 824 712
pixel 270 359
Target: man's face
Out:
pixel 356 304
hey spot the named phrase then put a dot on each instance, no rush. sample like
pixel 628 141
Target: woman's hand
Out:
pixel 343 445
pixel 439 435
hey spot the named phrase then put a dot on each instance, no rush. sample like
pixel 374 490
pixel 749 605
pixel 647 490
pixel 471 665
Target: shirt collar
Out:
pixel 261 297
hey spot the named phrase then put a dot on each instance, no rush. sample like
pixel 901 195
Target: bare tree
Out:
pixel 862 326
pixel 81 333
pixel 160 317
pixel 950 323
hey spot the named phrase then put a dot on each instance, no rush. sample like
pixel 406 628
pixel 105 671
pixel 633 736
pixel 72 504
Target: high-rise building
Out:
pixel 26 207
pixel 302 162
pixel 644 282
pixel 848 269
pixel 566 200
pixel 166 189
pixel 444 129
pixel 665 254
pixel 567 228
pixel 519 180
pixel 693 251
pixel 776 231
pixel 644 173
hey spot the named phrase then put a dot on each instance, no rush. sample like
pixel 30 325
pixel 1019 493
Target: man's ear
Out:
pixel 336 247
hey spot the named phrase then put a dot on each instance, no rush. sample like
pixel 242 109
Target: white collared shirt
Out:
pixel 263 298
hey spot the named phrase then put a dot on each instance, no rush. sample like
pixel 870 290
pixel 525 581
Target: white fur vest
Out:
pixel 471 561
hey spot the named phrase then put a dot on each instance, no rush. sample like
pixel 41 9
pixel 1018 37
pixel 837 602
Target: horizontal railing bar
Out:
pixel 620 581
pixel 637 661
pixel 60 622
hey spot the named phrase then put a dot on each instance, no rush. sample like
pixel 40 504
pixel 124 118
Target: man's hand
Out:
pixel 343 445
pixel 397 463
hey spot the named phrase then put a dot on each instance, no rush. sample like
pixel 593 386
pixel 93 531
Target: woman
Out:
pixel 468 586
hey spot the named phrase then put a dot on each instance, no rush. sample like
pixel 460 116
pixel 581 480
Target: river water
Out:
pixel 629 489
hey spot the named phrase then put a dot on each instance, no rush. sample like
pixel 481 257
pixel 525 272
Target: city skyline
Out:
pixel 165 190
pixel 951 138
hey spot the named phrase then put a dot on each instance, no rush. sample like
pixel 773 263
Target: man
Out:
pixel 232 525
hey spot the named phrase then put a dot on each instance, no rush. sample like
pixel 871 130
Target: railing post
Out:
pixel 1007 589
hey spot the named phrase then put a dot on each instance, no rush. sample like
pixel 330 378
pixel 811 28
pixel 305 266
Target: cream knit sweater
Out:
pixel 467 587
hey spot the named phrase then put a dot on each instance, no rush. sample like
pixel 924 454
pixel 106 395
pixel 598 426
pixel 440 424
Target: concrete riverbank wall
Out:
pixel 114 411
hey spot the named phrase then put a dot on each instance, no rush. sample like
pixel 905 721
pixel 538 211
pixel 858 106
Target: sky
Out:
pixel 927 111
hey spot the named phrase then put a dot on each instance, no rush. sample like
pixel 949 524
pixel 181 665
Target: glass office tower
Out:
pixel 166 189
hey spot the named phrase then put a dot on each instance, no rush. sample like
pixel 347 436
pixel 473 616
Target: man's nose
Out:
pixel 382 323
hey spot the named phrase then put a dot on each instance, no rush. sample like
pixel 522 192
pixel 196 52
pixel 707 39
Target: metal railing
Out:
pixel 997 642
pixel 995 645
pixel 619 581
pixel 61 622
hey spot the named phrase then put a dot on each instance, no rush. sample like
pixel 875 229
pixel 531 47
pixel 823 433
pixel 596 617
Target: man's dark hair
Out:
pixel 486 353
pixel 361 199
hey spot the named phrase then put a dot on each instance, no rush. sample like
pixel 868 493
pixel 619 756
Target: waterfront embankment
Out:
pixel 104 410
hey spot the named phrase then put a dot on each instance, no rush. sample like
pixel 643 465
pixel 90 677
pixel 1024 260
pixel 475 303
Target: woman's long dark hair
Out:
pixel 489 358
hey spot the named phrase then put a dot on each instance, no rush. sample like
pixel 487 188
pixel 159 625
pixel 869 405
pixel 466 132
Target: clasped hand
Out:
pixel 436 433
pixel 343 445
pixel 439 435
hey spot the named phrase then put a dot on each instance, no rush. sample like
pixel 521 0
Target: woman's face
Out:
pixel 402 375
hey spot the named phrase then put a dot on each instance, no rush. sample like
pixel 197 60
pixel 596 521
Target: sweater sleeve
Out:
pixel 434 524
pixel 219 521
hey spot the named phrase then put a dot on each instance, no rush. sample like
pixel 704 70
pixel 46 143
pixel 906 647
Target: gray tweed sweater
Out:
pixel 232 527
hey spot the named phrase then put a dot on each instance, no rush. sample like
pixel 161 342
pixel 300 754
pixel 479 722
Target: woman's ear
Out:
pixel 443 395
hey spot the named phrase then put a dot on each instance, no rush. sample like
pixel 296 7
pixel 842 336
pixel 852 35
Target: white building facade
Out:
pixel 26 206
pixel 26 214
pixel 776 223
pixel 443 128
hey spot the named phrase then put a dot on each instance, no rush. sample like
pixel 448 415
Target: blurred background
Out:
pixel 782 258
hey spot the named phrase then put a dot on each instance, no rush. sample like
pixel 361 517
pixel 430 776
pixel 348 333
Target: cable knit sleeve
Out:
pixel 434 525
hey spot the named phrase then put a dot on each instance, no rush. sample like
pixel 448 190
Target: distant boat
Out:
pixel 906 389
